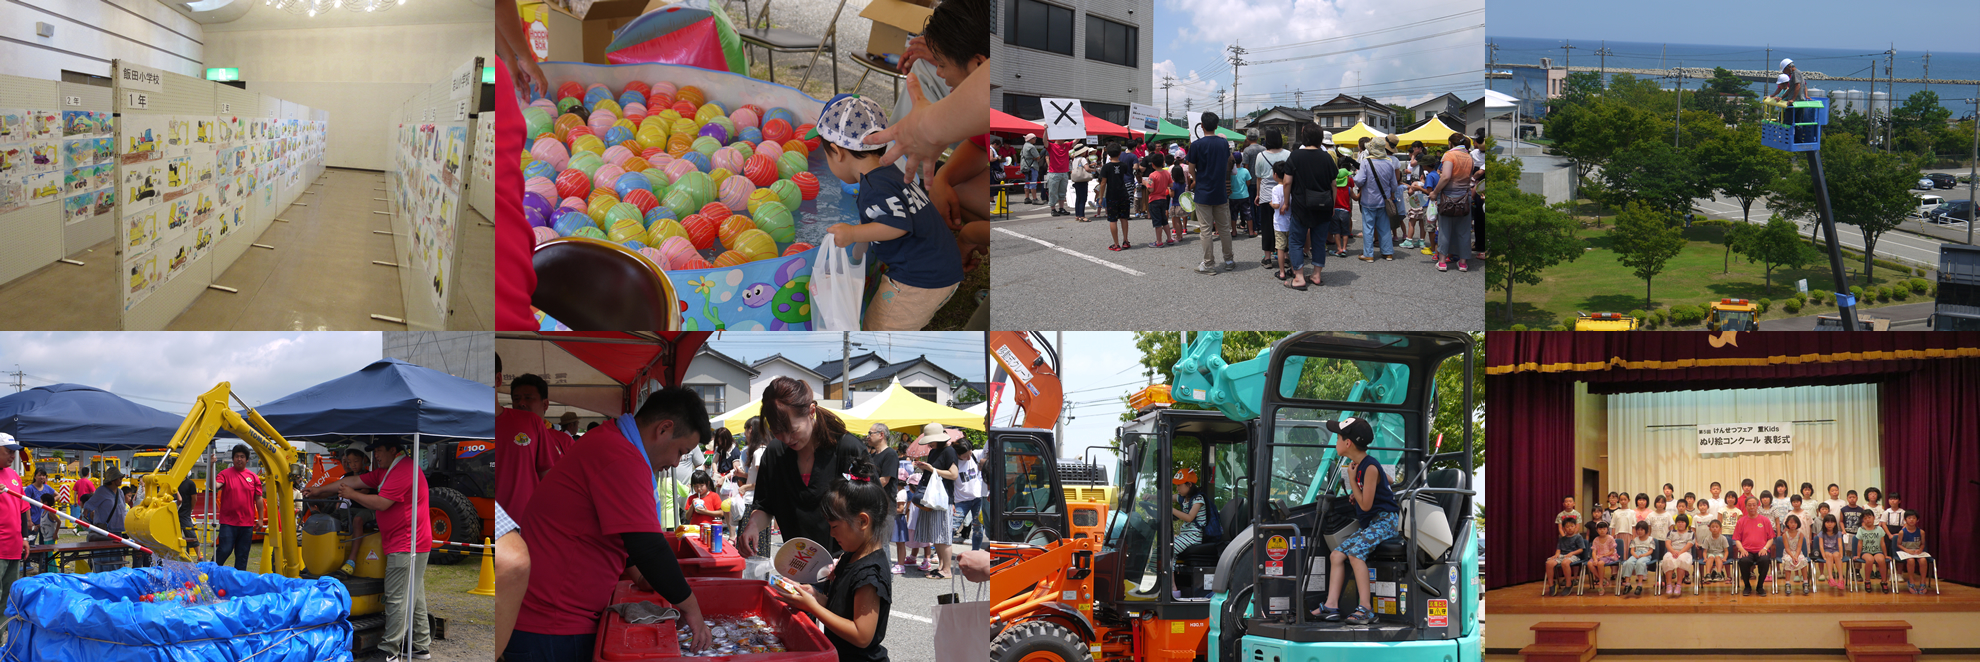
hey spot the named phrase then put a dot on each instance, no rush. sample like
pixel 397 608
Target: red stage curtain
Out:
pixel 1932 456
pixel 1531 441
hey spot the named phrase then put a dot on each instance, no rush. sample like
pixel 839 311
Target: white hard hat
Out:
pixel 1782 80
pixel 1785 62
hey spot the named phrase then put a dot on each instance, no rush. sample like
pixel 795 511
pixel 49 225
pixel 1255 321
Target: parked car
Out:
pixel 1942 180
pixel 1924 184
pixel 1927 204
pixel 1955 212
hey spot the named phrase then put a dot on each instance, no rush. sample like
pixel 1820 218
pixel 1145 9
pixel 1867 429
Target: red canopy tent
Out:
pixel 1099 127
pixel 1002 122
pixel 602 371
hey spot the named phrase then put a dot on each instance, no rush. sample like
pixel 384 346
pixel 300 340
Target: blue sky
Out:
pixel 1397 50
pixel 166 370
pixel 1935 26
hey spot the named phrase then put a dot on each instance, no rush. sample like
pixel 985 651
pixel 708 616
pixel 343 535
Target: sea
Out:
pixel 1530 84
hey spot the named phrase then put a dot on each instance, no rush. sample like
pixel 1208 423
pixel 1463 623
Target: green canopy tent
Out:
pixel 1229 134
pixel 1165 130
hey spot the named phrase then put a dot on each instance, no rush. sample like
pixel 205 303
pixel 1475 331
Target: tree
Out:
pixel 1736 164
pixel 1527 236
pixel 1921 111
pixel 1580 87
pixel 1777 244
pixel 1868 189
pixel 1725 95
pixel 1590 134
pixel 1732 235
pixel 1656 175
pixel 1645 239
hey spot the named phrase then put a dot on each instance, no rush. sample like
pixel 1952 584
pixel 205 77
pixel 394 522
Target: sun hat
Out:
pixel 847 120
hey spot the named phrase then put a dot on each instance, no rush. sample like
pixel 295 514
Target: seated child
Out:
pixel 1794 558
pixel 1713 545
pixel 1911 552
pixel 1637 565
pixel 1603 556
pixel 1870 551
pixel 924 265
pixel 1567 556
pixel 1830 542
pixel 1677 556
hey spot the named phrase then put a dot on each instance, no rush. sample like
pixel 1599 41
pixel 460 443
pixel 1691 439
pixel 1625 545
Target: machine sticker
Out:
pixel 1385 589
pixel 1069 596
pixel 1385 605
pixel 1275 552
pixel 1208 579
pixel 1439 613
pixel 1176 627
pixel 1278 604
pixel 1316 574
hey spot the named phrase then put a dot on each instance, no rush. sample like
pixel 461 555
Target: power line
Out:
pixel 1359 35
pixel 1364 48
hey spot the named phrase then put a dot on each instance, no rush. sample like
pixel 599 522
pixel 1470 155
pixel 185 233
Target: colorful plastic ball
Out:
pixel 760 196
pixel 635 112
pixel 536 209
pixel 650 136
pixel 715 210
pixel 544 186
pixel 680 201
pixel 543 234
pixel 732 226
pixel 707 111
pixel 564 105
pixel 676 250
pixel 633 244
pixel 639 86
pixel 699 160
pixel 588 144
pixel 605 175
pixel 548 150
pixel 542 169
pixel 790 163
pixel 684 108
pixel 658 178
pixel 607 106
pixel 775 220
pixel 669 116
pixel 662 230
pixel 795 146
pixel 727 158
pixel 679 143
pixel 657 214
pixel 693 263
pixel 705 145
pixel 662 87
pixel 787 193
pixel 756 245
pixel 569 223
pixel 687 126
pixel 807 185
pixel 537 123
pixel 617 154
pixel 735 193
pixel 570 90
pixel 572 204
pixel 630 97
pixel 701 231
pixel 631 181
pixel 596 92
pixel 625 211
pixel 578 130
pixel 600 122
pixel 777 130
pixel 635 164
pixel 600 204
pixel 760 169
pixel 745 117
pixel 692 95
pixel 654 255
pixel 715 132
pixel 618 134
pixel 784 114
pixel 726 124
pixel 749 134
pixel 643 199
pixel 590 232
pixel 588 166
pixel 677 168
pixel 624 231
pixel 769 149
pixel 745 150
pixel 719 175
pixel 729 259
pixel 796 248
pixel 573 183
pixel 810 144
pixel 698 184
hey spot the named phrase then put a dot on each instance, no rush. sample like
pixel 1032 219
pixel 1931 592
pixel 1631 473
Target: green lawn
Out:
pixel 1597 282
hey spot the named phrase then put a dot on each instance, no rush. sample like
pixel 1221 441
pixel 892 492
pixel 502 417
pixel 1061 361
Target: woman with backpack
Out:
pixel 1082 172
pixel 1311 201
pixel 1453 197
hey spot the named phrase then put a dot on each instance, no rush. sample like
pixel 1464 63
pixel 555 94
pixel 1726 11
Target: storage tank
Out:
pixel 1880 103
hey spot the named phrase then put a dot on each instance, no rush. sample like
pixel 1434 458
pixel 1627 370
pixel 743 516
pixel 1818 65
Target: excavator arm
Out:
pixel 1037 390
pixel 155 520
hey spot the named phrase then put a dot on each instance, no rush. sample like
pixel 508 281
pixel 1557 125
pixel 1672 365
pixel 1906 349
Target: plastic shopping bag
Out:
pixel 838 285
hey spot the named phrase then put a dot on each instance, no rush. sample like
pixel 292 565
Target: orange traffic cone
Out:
pixel 487 584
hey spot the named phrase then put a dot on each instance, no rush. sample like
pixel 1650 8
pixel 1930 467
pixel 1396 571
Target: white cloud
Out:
pixel 1190 85
pixel 167 370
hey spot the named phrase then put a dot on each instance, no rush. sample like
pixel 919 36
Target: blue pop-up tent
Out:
pixel 77 417
pixel 389 398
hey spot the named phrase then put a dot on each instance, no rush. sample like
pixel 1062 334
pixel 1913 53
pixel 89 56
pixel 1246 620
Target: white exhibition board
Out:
pixel 53 136
pixel 430 169
pixel 481 187
pixel 201 169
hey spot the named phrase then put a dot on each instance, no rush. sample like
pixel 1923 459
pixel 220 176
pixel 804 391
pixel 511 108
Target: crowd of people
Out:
pixel 1839 541
pixel 578 513
pixel 1304 202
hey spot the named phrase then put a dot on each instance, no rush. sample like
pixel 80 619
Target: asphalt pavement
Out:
pixel 1903 317
pixel 1053 272
pixel 1906 247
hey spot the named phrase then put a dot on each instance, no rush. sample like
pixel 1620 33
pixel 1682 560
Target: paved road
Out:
pixel 1910 248
pixel 1056 273
pixel 1903 317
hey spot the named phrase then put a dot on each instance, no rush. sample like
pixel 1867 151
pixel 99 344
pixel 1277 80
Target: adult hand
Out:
pixel 529 76
pixel 691 613
pixel 975 565
pixel 943 197
pixel 913 136
pixel 746 544
pixel 917 49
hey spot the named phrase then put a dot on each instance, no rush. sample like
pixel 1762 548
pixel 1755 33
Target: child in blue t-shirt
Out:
pixel 908 236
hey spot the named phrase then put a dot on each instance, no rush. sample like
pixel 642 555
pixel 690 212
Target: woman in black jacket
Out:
pixel 808 451
pixel 1312 203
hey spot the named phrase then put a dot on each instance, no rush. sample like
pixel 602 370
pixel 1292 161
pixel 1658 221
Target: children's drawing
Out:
pixel 43 188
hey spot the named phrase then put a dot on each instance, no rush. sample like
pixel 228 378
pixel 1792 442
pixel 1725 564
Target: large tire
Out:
pixel 1039 641
pixel 454 520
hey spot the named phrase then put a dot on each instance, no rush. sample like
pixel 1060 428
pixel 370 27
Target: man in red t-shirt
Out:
pixel 1058 173
pixel 525 446
pixel 13 518
pixel 84 488
pixel 240 509
pixel 593 516
pixel 406 542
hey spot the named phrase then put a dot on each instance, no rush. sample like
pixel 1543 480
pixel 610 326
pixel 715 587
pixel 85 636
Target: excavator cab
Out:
pixel 1423 582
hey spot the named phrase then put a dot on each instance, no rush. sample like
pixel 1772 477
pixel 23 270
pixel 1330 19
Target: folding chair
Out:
pixel 1931 573
pixel 757 32
pixel 1656 557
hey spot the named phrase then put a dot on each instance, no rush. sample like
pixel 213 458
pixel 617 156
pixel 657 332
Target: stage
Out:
pixel 1717 622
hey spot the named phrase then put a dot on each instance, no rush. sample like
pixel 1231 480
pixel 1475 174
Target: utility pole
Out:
pixel 1059 426
pixel 1237 60
pixel 1928 70
pixel 1677 135
pixel 845 370
pixel 1491 62
pixel 1167 82
pixel 1567 55
pixel 1769 62
pixel 18 384
pixel 1890 95
pixel 1605 53
pixel 1973 168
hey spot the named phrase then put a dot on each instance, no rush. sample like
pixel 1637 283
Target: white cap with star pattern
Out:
pixel 847 120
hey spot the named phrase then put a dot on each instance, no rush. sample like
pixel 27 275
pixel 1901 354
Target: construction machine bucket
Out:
pixel 154 523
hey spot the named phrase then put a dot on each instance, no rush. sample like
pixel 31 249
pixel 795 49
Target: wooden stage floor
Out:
pixel 1725 599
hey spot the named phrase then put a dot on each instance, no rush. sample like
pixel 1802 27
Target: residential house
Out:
pixel 722 381
pixel 872 374
pixel 1344 111
pixel 778 365
pixel 1283 119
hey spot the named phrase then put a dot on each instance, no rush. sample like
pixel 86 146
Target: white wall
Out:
pixel 1846 450
pixel 91 33
pixel 775 369
pixel 360 75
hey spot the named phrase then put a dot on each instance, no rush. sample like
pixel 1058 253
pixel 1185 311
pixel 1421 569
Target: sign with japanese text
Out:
pixel 1720 439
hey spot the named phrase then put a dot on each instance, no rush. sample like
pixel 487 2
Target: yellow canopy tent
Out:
pixel 1433 132
pixel 735 418
pixel 900 409
pixel 1351 138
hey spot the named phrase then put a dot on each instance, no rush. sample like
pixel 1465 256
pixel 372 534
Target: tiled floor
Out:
pixel 319 276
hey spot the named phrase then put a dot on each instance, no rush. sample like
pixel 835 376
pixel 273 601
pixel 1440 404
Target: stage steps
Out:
pixel 1567 642
pixel 1878 641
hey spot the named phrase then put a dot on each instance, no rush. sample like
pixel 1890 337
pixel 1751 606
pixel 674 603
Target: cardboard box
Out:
pixel 894 21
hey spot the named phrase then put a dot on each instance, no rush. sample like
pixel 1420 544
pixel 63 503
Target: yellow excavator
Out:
pixel 155 520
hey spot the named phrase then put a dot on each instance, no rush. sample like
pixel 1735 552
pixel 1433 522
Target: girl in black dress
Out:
pixel 859 591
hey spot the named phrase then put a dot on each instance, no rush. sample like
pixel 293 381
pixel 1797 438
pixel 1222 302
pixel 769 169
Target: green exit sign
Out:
pixel 230 73
pixel 488 75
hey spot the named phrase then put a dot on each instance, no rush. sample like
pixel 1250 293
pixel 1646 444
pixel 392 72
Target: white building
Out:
pixel 777 365
pixel 1098 51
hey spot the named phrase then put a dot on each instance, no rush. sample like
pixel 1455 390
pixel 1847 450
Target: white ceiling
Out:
pixel 260 16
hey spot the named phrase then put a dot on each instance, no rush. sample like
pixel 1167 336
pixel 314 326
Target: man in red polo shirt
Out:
pixel 240 509
pixel 592 517
pixel 525 447
pixel 401 496
pixel 13 514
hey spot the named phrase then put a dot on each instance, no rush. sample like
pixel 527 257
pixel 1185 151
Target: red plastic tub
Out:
pixel 804 640
pixel 697 560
